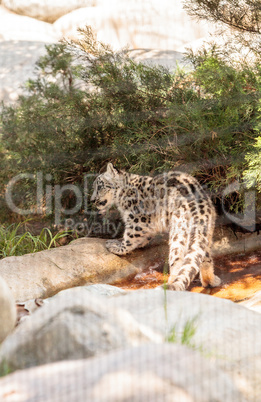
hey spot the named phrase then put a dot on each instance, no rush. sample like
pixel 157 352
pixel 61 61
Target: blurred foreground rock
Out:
pixel 74 324
pixel 7 310
pixel 150 372
pixel 77 324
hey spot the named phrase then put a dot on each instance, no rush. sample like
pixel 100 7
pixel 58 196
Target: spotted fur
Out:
pixel 172 202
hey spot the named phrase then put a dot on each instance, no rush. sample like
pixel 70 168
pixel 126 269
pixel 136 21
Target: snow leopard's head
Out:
pixel 104 187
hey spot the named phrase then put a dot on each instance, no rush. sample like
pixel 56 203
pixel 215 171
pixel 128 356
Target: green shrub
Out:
pixel 252 174
pixel 89 105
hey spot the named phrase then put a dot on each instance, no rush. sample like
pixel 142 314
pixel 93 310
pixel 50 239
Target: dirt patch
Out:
pixel 240 275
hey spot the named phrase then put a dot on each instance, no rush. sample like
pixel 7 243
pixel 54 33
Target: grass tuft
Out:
pixel 185 337
pixel 14 241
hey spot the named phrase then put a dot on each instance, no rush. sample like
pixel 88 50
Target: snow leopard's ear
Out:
pixel 111 172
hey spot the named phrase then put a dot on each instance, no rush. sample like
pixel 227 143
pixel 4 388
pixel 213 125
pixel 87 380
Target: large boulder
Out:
pixel 84 261
pixel 7 310
pixel 45 10
pixel 74 324
pixel 145 373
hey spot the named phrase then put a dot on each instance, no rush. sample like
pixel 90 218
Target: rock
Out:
pixel 45 10
pixel 226 332
pixel 97 17
pixel 73 325
pixel 16 27
pixel 100 20
pixel 137 24
pixel 84 261
pixel 18 60
pixel 145 373
pixel 7 310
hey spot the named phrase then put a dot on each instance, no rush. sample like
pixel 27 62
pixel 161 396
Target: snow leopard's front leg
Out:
pixel 134 237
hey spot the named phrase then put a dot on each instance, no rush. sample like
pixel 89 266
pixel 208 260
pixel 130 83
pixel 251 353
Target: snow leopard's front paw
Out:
pixel 175 286
pixel 114 246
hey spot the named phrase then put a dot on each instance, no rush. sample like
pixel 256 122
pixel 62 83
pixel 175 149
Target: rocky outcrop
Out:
pixel 45 10
pixel 99 18
pixel 149 372
pixel 7 310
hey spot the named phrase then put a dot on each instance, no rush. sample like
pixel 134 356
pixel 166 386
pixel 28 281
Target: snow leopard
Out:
pixel 172 202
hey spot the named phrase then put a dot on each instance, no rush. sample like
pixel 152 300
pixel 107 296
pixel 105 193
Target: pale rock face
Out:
pixel 102 21
pixel 21 28
pixel 136 24
pixel 45 10
pixel 7 310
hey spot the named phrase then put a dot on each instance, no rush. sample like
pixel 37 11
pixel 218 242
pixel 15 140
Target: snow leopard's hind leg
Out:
pixel 207 276
pixel 178 238
pixel 196 255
